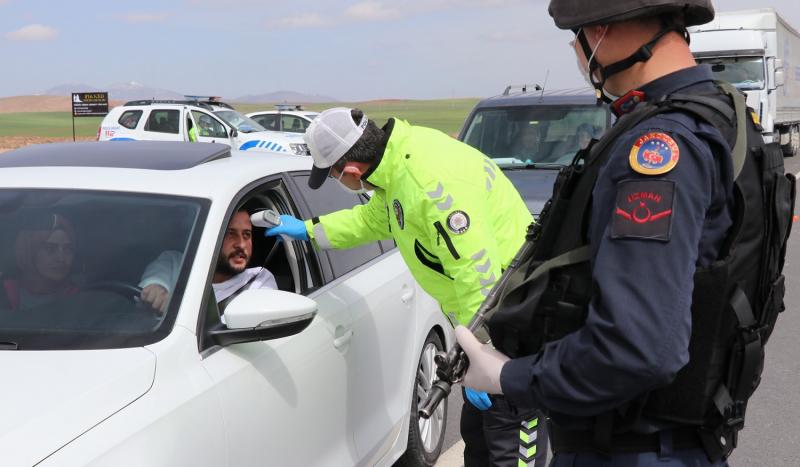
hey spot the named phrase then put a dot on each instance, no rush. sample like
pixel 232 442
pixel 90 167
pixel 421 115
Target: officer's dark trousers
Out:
pixel 497 436
pixel 686 458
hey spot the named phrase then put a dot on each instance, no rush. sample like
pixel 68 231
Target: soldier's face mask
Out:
pixel 588 68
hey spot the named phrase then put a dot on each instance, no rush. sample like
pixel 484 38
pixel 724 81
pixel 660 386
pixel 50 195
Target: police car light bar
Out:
pixel 289 107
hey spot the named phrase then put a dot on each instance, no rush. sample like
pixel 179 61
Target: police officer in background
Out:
pixel 645 264
pixel 457 221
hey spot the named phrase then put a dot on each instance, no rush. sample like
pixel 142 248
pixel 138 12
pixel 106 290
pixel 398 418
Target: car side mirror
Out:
pixel 264 314
pixel 234 133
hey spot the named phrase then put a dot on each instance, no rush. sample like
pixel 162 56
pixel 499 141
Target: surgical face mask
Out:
pixel 348 189
pixel 584 68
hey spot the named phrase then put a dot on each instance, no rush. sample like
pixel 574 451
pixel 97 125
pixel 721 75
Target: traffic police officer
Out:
pixel 661 207
pixel 457 221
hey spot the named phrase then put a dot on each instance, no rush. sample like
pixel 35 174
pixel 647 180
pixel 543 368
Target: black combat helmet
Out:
pixel 575 14
pixel 675 17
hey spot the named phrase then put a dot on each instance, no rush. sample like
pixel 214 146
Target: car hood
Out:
pixel 534 185
pixel 52 397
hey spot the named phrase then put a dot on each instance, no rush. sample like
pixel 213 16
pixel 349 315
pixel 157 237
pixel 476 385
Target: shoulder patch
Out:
pixel 458 222
pixel 654 153
pixel 643 210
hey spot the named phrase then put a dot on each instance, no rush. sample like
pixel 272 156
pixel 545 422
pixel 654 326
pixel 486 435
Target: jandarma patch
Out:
pixel 644 210
pixel 458 222
pixel 654 154
pixel 398 214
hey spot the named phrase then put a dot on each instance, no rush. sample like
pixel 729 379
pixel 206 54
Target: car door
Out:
pixel 209 129
pixel 162 125
pixel 378 291
pixel 283 400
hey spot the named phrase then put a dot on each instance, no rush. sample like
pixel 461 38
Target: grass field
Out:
pixel 446 115
pixel 49 124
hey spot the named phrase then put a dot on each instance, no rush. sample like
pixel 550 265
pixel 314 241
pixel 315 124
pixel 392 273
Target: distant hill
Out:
pixel 41 104
pixel 291 97
pixel 120 91
pixel 137 91
pixel 69 88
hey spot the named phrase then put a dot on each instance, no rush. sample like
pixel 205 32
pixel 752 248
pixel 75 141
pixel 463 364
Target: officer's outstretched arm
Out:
pixel 350 228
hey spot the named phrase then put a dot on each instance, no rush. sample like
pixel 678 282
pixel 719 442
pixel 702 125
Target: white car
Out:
pixel 216 122
pixel 326 371
pixel 286 121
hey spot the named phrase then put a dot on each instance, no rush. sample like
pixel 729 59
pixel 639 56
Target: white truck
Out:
pixel 758 52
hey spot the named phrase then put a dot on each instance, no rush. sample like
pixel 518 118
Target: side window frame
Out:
pixel 138 112
pixel 306 211
pixel 274 187
pixel 151 116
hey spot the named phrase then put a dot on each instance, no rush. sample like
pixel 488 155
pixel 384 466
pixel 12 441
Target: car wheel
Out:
pixel 425 437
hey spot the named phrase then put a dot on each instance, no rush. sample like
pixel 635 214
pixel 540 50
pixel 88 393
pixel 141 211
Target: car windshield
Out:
pixel 71 263
pixel 544 134
pixel 746 73
pixel 239 121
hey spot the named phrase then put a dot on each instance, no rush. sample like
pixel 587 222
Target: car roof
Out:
pixel 152 155
pixel 205 170
pixel 576 96
pixel 208 105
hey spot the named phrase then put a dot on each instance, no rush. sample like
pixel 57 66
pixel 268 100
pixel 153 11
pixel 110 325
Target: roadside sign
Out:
pixel 89 104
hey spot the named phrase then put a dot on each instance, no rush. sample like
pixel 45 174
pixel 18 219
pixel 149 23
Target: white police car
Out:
pixel 326 371
pixel 287 118
pixel 214 121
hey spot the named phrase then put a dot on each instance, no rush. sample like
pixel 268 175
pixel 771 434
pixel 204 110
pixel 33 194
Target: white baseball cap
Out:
pixel 329 137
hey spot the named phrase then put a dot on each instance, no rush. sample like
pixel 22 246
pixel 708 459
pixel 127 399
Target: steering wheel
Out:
pixel 129 291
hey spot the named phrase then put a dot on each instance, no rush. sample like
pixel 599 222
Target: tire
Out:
pixel 794 141
pixel 425 437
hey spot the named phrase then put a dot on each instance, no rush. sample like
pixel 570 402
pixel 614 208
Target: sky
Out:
pixel 351 50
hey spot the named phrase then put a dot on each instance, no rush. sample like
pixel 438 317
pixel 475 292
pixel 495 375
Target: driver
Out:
pixel 231 274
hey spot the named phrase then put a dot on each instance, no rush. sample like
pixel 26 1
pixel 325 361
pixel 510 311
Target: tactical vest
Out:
pixel 549 298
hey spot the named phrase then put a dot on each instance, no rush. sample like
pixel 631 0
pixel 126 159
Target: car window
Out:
pixel 208 126
pixel 130 118
pixel 535 134
pixel 268 121
pixel 294 124
pixel 325 200
pixel 239 121
pixel 163 121
pixel 71 265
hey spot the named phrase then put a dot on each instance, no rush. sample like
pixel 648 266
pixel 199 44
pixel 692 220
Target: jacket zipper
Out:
pixel 443 233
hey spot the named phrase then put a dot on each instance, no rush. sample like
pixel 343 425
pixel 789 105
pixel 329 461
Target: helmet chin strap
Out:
pixel 642 55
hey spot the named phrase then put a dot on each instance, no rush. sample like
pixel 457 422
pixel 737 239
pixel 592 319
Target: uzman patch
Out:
pixel 458 222
pixel 654 154
pixel 644 210
pixel 398 214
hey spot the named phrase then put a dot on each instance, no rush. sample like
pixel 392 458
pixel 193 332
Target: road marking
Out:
pixel 453 457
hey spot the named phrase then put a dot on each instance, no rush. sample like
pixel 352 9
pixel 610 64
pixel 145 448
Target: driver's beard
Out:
pixel 224 266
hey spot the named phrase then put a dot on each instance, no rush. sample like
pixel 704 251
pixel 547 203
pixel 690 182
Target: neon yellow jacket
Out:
pixel 457 220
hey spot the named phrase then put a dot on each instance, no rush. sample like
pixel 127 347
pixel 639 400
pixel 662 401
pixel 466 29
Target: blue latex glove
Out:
pixel 290 226
pixel 479 399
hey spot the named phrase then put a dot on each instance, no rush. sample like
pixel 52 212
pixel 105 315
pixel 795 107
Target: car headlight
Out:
pixel 300 149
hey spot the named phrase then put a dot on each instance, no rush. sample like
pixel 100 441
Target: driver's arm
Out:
pixel 159 278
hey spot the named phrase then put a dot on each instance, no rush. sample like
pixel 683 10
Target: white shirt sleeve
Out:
pixel 265 280
pixel 163 270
